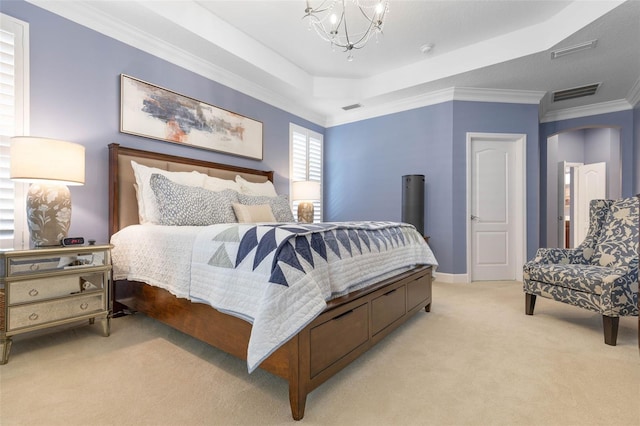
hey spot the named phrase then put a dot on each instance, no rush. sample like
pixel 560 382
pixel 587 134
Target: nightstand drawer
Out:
pixel 47 263
pixel 52 287
pixel 41 313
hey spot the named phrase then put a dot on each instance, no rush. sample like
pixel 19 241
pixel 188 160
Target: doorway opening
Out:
pixel 582 164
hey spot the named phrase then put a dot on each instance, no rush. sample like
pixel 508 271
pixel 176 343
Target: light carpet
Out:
pixel 475 359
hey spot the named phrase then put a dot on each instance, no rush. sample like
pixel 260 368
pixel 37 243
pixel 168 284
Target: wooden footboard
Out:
pixel 348 327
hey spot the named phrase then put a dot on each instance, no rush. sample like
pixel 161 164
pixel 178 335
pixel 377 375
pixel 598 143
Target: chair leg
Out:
pixel 610 325
pixel 529 303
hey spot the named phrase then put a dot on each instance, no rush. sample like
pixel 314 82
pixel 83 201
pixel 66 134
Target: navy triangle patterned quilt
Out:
pixel 279 276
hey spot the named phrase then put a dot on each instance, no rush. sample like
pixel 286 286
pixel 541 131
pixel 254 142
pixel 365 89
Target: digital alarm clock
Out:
pixel 72 241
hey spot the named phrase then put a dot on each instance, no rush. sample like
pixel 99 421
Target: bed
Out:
pixel 348 325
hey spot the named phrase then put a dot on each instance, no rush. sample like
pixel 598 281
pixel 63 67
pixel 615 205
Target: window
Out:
pixel 306 162
pixel 14 95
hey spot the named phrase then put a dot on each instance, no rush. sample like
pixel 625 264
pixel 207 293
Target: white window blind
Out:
pixel 306 162
pixel 14 85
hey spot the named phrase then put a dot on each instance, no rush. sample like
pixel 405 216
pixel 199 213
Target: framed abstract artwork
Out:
pixel 154 112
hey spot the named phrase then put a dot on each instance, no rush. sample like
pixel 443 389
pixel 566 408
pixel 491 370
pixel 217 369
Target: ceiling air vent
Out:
pixel 555 54
pixel 354 106
pixel 576 92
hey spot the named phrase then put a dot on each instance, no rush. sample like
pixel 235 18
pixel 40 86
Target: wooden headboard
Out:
pixel 123 204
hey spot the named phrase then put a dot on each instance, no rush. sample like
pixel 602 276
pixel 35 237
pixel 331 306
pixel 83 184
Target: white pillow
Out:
pixel 253 188
pixel 216 184
pixel 147 204
pixel 253 214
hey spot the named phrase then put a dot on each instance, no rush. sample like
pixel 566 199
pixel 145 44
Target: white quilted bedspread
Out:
pixel 276 276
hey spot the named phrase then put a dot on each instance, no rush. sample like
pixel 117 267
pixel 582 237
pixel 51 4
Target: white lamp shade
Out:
pixel 36 159
pixel 305 190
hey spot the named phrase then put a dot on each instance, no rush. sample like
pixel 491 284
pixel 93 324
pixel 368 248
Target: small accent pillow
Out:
pixel 253 188
pixel 279 205
pixel 182 205
pixel 147 204
pixel 213 183
pixel 253 214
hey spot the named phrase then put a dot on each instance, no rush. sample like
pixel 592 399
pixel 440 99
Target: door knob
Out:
pixel 474 217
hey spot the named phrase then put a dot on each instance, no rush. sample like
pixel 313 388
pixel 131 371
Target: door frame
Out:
pixel 520 213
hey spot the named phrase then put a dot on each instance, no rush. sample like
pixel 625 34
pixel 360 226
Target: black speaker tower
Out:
pixel 413 201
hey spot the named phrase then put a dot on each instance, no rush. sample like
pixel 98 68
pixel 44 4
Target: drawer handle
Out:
pixel 33 316
pixel 344 314
pixel 33 292
pixel 34 266
pixel 391 292
pixel 84 306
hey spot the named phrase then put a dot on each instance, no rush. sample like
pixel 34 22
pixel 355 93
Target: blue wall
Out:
pixel 365 162
pixel 75 96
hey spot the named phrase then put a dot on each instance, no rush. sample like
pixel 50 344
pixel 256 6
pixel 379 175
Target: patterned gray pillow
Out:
pixel 279 205
pixel 182 205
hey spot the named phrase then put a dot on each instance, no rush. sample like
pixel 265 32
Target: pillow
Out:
pixel 253 188
pixel 216 184
pixel 147 204
pixel 182 205
pixel 253 214
pixel 279 205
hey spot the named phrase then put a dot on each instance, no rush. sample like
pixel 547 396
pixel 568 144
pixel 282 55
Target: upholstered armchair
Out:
pixel 601 274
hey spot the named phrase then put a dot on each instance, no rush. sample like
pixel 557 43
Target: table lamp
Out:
pixel 306 192
pixel 49 165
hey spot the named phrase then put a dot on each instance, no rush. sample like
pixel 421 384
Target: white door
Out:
pixel 497 210
pixel 565 199
pixel 590 183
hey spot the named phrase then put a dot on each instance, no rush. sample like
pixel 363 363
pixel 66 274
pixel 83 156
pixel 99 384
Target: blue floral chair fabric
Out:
pixel 601 274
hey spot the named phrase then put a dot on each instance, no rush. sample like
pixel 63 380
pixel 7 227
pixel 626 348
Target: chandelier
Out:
pixel 345 27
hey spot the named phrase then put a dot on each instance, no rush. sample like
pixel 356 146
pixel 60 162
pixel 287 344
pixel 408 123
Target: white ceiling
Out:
pixel 483 50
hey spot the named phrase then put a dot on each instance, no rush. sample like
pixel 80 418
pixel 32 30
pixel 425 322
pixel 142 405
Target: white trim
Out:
pixel 88 15
pixel 22 126
pixel 587 110
pixel 520 139
pixel 634 94
pixel 469 94
pixel 451 278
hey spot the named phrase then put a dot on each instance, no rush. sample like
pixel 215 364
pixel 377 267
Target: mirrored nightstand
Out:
pixel 47 287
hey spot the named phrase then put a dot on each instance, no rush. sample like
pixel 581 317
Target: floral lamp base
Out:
pixel 305 212
pixel 48 213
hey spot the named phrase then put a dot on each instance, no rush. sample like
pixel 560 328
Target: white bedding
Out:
pixel 276 276
pixel 154 254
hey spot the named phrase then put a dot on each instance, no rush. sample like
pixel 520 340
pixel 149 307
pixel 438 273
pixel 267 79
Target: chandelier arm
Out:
pixel 331 32
pixel 312 10
pixel 343 18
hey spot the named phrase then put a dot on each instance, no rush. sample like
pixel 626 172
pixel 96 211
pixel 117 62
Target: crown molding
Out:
pixel 473 94
pixel 587 110
pixel 391 107
pixel 469 94
pixel 634 94
pixel 83 13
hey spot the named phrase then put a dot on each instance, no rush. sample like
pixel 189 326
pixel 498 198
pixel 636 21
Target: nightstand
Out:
pixel 51 286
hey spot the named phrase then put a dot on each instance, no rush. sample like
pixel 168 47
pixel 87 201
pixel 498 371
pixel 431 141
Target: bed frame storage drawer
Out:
pixel 387 308
pixel 337 337
pixel 418 292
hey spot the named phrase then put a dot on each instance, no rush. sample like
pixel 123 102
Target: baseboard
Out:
pixel 451 278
